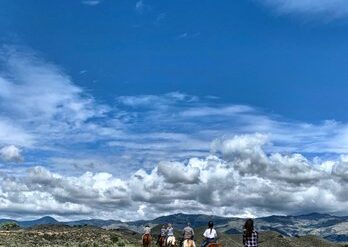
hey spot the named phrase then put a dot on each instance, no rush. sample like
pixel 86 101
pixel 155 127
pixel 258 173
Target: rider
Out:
pixel 210 235
pixel 147 230
pixel 250 236
pixel 170 235
pixel 188 233
pixel 163 233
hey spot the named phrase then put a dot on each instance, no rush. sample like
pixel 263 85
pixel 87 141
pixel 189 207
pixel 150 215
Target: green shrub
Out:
pixel 114 238
pixel 121 244
pixel 7 226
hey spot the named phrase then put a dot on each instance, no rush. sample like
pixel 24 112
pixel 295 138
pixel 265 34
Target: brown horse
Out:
pixel 147 240
pixel 162 241
pixel 214 245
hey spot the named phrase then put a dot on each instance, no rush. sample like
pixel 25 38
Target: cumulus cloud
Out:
pixel 156 151
pixel 340 169
pixel 11 153
pixel 175 172
pixel 230 182
pixel 328 8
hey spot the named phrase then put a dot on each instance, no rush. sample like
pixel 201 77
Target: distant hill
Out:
pixel 332 228
pixel 47 220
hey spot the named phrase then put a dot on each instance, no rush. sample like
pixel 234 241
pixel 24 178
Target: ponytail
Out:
pixel 211 225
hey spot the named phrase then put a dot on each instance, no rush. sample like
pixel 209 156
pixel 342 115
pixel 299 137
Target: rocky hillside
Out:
pixel 60 235
pixel 332 228
pixel 56 236
pixel 329 227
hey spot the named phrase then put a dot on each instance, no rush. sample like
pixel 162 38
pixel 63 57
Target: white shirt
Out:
pixel 209 234
pixel 147 230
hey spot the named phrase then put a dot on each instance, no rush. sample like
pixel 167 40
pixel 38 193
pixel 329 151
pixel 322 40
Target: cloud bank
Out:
pixel 164 153
pixel 238 178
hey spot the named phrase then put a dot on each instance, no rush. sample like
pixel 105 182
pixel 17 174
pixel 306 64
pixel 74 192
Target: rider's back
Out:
pixel 163 232
pixel 147 230
pixel 188 232
pixel 210 233
pixel 170 231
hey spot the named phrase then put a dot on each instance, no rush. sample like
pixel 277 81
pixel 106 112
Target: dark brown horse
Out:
pixel 147 240
pixel 162 241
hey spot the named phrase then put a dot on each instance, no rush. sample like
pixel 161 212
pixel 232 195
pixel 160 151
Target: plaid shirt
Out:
pixel 252 241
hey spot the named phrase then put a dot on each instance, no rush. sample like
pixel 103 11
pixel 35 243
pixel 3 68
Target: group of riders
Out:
pixel 166 236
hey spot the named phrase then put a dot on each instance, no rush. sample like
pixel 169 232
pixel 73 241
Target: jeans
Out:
pixel 207 241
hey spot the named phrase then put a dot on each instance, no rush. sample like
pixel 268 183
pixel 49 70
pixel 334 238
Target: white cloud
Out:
pixel 12 133
pixel 156 151
pixel 157 101
pixel 327 8
pixel 42 109
pixel 11 153
pixel 211 111
pixel 247 182
pixel 91 2
pixel 175 172
pixel 39 103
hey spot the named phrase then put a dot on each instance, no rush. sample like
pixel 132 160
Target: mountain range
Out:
pixel 329 227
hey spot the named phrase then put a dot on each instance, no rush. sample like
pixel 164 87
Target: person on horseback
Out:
pixel 188 236
pixel 147 230
pixel 162 236
pixel 147 236
pixel 170 235
pixel 210 235
pixel 250 236
pixel 163 231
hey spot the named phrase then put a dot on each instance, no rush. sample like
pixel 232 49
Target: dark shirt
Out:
pixel 252 241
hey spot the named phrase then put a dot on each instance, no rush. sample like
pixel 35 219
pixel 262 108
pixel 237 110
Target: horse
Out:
pixel 214 245
pixel 188 243
pixel 147 240
pixel 162 241
pixel 171 242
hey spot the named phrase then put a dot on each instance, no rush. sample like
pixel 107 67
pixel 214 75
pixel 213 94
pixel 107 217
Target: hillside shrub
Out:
pixel 121 244
pixel 114 238
pixel 7 226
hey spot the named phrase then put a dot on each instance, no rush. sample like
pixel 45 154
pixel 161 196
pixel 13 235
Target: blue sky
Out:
pixel 291 62
pixel 99 94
